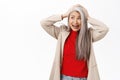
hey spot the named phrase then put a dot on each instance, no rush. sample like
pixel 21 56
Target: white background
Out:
pixel 27 51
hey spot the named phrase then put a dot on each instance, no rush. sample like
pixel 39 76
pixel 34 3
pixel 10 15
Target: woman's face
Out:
pixel 75 21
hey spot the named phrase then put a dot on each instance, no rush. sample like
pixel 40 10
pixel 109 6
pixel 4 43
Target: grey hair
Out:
pixel 83 43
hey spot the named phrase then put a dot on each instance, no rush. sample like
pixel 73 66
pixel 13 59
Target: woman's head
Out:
pixel 74 21
pixel 77 21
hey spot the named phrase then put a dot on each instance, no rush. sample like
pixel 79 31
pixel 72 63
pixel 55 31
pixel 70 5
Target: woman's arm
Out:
pixel 49 27
pixel 99 29
pixel 48 23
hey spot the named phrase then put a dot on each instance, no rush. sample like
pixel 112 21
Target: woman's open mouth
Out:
pixel 75 26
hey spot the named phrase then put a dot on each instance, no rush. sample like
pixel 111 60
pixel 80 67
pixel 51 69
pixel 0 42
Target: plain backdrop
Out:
pixel 27 51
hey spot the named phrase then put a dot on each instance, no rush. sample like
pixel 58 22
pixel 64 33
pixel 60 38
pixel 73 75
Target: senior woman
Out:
pixel 74 58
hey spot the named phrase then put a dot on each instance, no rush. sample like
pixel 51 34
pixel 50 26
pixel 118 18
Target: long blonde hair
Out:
pixel 83 43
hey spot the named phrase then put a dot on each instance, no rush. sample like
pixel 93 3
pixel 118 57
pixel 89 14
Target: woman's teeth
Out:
pixel 75 26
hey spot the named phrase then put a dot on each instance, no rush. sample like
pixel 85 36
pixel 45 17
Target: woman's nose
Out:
pixel 75 21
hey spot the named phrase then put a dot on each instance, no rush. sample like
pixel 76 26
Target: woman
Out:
pixel 74 58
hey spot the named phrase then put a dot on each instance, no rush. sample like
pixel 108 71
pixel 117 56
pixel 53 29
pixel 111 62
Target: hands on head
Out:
pixel 74 6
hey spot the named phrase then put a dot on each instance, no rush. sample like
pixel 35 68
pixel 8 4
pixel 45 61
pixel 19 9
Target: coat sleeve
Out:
pixel 99 29
pixel 49 27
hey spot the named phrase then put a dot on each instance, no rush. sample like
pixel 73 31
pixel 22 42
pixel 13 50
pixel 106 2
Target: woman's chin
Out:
pixel 75 29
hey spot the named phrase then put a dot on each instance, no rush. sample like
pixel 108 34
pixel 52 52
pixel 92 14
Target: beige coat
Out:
pixel 98 31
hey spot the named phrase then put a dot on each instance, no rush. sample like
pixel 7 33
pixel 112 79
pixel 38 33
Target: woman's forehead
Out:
pixel 75 13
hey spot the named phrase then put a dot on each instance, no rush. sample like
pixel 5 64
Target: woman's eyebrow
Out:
pixel 72 15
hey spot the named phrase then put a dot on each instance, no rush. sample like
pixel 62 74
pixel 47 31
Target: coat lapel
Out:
pixel 65 34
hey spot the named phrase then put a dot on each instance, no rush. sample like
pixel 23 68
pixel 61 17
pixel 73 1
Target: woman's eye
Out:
pixel 72 17
pixel 78 18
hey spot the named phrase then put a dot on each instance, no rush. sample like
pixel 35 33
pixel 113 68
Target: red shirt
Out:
pixel 71 66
